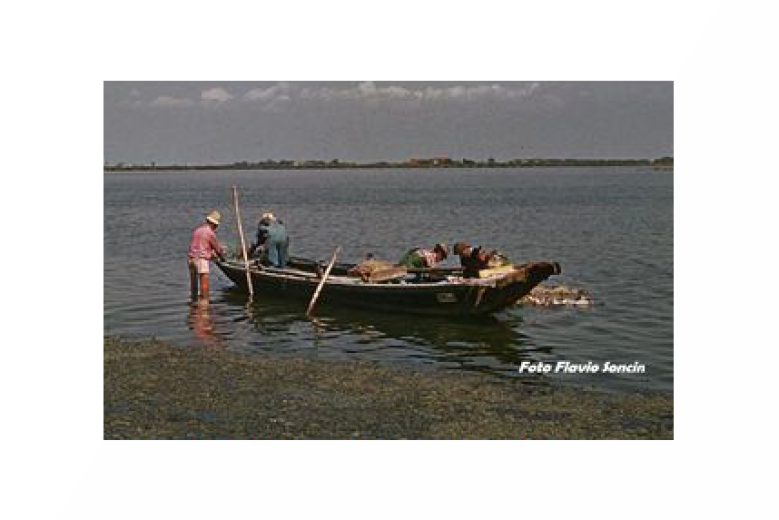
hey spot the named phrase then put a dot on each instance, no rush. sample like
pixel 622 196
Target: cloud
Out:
pixel 215 96
pixel 266 94
pixel 368 91
pixel 397 92
pixel 276 97
pixel 271 98
pixel 170 101
pixel 465 93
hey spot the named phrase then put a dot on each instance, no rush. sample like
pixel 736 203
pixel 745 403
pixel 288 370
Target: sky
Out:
pixel 224 122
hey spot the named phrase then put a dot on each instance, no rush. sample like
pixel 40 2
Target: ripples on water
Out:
pixel 611 230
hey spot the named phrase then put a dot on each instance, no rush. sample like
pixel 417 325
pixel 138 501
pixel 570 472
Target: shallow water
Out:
pixel 611 230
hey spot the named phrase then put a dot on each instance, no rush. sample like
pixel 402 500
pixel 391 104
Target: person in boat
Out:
pixel 474 259
pixel 272 244
pixel 257 248
pixel 202 249
pixel 419 258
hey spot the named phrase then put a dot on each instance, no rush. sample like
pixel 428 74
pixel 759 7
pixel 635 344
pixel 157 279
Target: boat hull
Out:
pixel 442 298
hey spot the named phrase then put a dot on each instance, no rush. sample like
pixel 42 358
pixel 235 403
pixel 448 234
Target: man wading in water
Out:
pixel 202 249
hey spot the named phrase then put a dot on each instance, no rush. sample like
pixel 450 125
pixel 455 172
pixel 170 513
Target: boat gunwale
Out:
pixel 344 281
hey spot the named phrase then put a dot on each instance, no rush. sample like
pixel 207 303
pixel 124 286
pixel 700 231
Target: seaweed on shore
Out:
pixel 157 391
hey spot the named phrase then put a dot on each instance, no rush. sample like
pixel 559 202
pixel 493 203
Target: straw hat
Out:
pixel 214 217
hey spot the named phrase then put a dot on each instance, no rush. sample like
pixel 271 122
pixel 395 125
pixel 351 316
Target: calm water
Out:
pixel 610 229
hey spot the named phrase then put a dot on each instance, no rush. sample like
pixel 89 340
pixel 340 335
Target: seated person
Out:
pixel 419 258
pixel 474 259
pixel 272 244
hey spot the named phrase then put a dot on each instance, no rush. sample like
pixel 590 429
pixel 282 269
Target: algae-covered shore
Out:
pixel 153 390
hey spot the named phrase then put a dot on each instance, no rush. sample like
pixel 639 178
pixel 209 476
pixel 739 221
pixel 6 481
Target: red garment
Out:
pixel 204 244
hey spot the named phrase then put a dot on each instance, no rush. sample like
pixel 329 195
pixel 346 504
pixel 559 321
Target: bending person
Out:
pixel 474 259
pixel 419 258
pixel 272 245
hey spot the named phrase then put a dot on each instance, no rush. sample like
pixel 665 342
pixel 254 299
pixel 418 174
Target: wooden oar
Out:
pixel 243 243
pixel 322 282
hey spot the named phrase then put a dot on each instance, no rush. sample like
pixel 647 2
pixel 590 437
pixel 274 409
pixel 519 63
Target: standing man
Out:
pixel 203 247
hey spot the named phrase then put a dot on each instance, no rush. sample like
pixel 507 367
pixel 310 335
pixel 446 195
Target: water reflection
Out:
pixel 495 346
pixel 201 323
pixel 621 218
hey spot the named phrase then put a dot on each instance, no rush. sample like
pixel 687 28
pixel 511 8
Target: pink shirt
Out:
pixel 204 243
pixel 430 257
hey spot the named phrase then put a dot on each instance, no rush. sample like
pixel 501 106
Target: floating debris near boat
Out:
pixel 545 296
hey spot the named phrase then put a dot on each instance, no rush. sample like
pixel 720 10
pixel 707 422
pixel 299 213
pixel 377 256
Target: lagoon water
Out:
pixel 611 229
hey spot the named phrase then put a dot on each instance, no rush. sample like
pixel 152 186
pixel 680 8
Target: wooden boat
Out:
pixel 439 292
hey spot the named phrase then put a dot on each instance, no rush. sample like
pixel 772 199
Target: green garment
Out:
pixel 413 259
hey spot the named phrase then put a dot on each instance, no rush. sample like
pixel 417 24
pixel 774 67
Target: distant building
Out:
pixel 663 161
pixel 435 161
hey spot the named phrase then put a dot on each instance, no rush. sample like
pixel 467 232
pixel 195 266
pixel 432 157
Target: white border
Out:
pixel 57 56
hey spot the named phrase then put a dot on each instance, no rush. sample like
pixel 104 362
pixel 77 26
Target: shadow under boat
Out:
pixel 487 344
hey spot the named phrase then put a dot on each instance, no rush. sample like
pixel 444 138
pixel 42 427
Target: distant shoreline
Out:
pixel 663 163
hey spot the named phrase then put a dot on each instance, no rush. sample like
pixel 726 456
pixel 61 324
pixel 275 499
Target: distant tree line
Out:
pixel 434 162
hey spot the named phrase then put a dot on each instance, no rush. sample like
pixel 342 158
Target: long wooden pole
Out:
pixel 322 282
pixel 243 243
